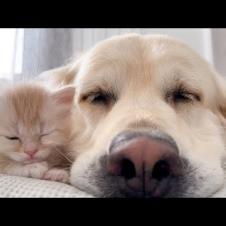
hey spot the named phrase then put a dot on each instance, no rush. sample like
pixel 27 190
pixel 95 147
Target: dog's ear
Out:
pixel 61 76
pixel 220 97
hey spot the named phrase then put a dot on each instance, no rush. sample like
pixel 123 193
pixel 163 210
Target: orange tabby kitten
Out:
pixel 35 129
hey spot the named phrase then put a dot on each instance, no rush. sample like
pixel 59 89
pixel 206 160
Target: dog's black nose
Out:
pixel 145 161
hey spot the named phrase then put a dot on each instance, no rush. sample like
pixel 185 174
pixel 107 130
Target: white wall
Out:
pixel 11 47
pixel 30 50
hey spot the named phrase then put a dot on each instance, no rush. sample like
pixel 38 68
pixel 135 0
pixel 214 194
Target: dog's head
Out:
pixel 149 121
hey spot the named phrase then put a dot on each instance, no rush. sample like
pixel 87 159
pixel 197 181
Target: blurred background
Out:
pixel 24 53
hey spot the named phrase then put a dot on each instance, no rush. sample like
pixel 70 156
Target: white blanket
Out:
pixel 13 186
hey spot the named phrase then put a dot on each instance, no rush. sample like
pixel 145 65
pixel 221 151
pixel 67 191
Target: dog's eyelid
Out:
pixel 187 93
pixel 85 94
pixel 182 94
pixel 106 93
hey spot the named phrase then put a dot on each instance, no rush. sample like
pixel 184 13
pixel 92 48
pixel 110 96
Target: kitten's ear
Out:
pixel 64 96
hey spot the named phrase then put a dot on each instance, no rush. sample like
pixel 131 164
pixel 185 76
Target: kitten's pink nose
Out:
pixel 31 151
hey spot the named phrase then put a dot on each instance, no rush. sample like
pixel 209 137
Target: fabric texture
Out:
pixel 21 187
pixel 14 186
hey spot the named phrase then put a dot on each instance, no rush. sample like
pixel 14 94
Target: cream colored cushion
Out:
pixel 14 186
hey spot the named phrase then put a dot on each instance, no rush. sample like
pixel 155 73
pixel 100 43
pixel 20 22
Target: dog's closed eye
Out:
pixel 99 98
pixel 181 96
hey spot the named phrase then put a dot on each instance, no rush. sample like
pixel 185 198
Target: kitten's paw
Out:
pixel 35 170
pixel 56 174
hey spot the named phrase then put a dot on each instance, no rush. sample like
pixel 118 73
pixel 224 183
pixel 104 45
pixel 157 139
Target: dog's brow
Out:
pixel 178 80
pixel 97 82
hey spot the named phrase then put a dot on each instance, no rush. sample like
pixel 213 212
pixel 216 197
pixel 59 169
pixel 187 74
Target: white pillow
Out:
pixel 14 186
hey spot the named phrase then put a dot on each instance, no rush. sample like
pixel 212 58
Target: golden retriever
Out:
pixel 149 119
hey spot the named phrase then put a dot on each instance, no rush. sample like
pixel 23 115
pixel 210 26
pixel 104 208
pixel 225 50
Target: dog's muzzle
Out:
pixel 147 162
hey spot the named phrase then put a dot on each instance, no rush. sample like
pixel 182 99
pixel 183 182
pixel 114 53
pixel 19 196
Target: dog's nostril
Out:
pixel 128 170
pixel 161 170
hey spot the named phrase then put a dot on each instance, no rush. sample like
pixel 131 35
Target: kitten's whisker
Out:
pixel 66 168
pixel 62 154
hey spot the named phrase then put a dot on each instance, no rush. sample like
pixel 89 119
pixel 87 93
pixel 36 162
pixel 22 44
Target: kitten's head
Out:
pixel 34 121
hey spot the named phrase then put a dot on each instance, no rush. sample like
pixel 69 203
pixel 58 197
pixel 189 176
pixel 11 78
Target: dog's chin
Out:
pixel 193 184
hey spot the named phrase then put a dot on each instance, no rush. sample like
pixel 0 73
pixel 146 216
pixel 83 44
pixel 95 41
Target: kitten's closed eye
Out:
pixel 12 138
pixel 46 133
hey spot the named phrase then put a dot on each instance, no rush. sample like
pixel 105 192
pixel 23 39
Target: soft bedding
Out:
pixel 14 186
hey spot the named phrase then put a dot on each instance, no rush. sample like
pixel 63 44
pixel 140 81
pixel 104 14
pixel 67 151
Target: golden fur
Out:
pixel 34 117
pixel 23 99
pixel 143 73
